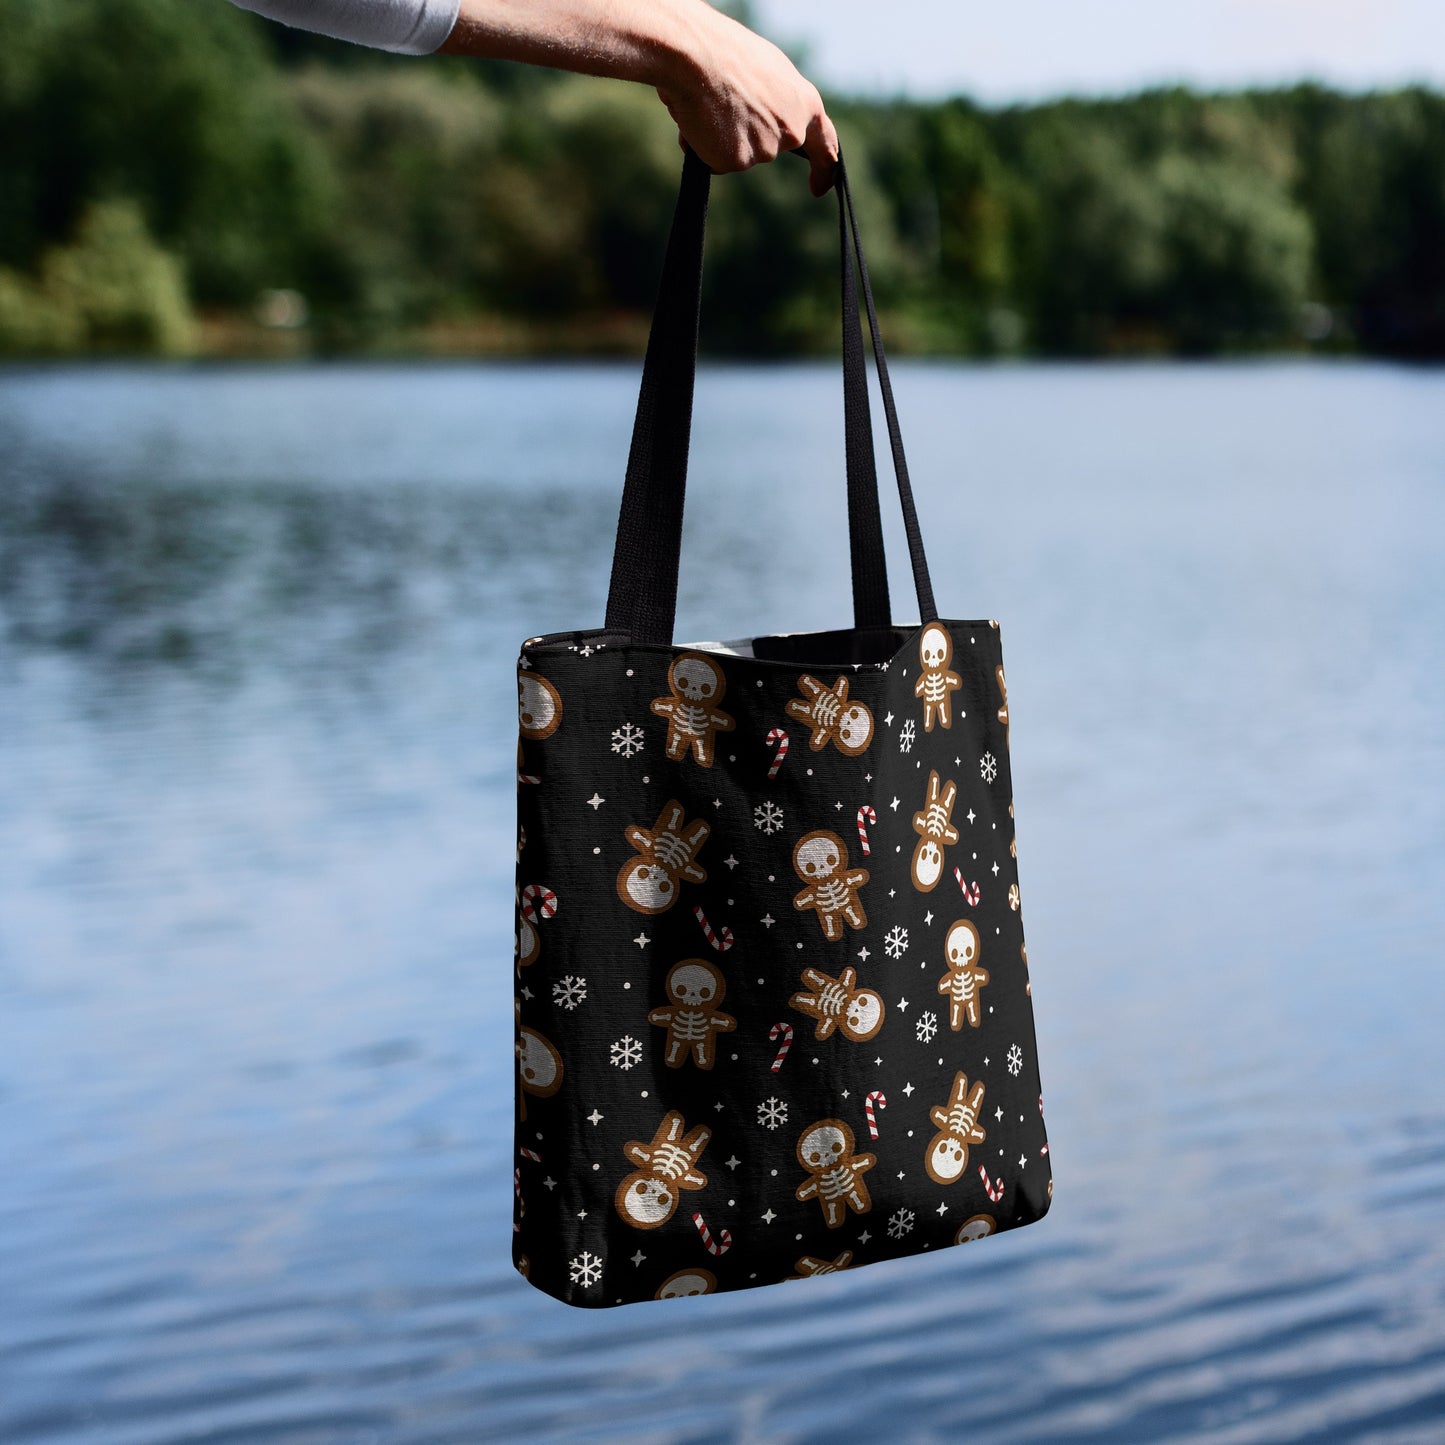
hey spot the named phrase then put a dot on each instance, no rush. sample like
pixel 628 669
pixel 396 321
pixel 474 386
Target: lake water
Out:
pixel 257 737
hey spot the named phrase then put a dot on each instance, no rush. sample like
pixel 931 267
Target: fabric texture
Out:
pixel 408 27
pixel 774 1005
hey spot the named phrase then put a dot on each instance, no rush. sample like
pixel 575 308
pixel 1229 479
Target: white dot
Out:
pixel 800 945
pixel 596 1166
pixel 775 1173
pixel 595 851
pixel 732 757
pixel 730 903
pixel 647 780
pixel 910 1133
pixel 732 1203
pixel 810 772
pixel 629 672
pixel 760 682
pixel 644 1092
pixel 735 1058
pixel 761 980
pixel 797 1236
pixel 626 985
pixel 539 1134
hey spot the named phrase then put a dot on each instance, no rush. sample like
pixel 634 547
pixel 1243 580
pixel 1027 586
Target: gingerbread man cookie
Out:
pixel 539 1066
pixel 979 1227
pixel 857 1013
pixel 848 725
pixel 539 706
pixel 649 883
pixel 687 1282
pixel 835 1172
pixel 935 828
pixel 1003 693
pixel 648 1196
pixel 936 684
pixel 696 686
pixel 964 977
pixel 820 859
pixel 810 1265
pixel 957 1124
pixel 696 988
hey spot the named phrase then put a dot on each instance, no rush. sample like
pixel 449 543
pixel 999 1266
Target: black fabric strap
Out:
pixel 642 597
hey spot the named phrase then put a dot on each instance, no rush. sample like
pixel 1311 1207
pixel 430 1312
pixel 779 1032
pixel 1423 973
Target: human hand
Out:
pixel 738 101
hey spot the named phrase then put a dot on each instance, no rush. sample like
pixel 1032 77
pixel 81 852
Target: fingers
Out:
pixel 820 145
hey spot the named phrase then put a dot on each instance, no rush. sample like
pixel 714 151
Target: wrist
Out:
pixel 677 52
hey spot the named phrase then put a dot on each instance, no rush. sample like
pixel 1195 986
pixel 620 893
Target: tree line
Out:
pixel 177 175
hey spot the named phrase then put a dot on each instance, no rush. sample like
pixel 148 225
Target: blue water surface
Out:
pixel 257 757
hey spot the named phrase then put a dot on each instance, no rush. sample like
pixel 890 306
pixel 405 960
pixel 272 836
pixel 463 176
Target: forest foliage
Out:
pixel 165 163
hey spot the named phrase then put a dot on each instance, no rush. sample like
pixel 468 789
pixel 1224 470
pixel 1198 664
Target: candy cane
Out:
pixel 530 1154
pixel 882 1099
pixel 988 1188
pixel 521 1208
pixel 777 735
pixel 724 1239
pixel 548 904
pixel 528 778
pixel 726 932
pixel 865 812
pixel 971 894
pixel 1043 1151
pixel 782 1031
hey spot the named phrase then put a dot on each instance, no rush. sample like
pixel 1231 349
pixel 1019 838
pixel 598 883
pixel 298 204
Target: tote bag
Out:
pixel 773 1009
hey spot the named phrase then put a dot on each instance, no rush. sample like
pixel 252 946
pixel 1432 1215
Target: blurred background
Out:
pixel 320 382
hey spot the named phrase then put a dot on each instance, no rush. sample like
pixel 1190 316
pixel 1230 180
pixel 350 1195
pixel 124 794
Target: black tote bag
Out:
pixel 773 1009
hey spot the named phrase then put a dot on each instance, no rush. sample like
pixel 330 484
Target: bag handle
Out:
pixel 642 597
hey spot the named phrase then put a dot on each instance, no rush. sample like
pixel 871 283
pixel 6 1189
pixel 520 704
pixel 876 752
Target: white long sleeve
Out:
pixel 409 27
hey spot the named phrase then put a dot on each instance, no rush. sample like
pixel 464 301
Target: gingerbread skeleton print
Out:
pixel 820 859
pixel 957 1125
pixel 936 683
pixel 832 718
pixel 650 882
pixel 539 1067
pixel 539 706
pixel 761 1034
pixel 648 1196
pixel 934 826
pixel 835 1172
pixel 695 988
pixel 835 1003
pixel 961 983
pixel 696 686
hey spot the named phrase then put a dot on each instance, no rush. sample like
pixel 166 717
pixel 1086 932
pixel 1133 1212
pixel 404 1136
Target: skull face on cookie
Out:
pixel 539 706
pixel 696 685
pixel 836 1003
pixel 964 978
pixel 650 883
pixel 936 683
pixel 820 859
pixel 957 1124
pixel 979 1227
pixel 825 1150
pixel 692 1019
pixel 648 1196
pixel 832 718
pixel 687 1282
pixel 539 1066
pixel 934 826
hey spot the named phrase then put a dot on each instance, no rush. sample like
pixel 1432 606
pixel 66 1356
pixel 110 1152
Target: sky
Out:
pixel 1028 49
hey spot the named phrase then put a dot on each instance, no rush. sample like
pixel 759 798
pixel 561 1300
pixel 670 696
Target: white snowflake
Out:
pixel 626 1053
pixel 768 816
pixel 772 1113
pixel 627 740
pixel 1015 1059
pixel 988 767
pixel 568 992
pixel 900 1224
pixel 895 942
pixel 586 1269
pixel 905 736
pixel 925 1026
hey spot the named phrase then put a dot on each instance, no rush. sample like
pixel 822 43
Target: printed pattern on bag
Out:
pixel 824 1058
